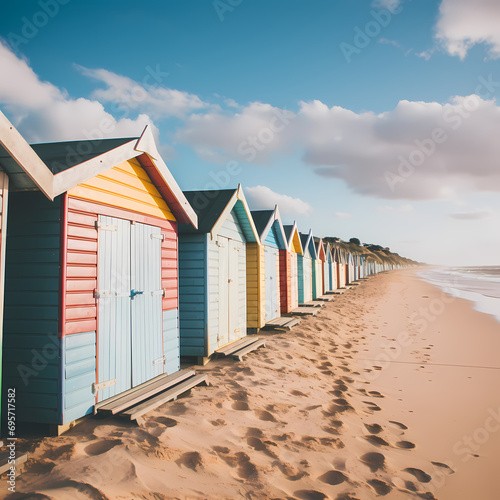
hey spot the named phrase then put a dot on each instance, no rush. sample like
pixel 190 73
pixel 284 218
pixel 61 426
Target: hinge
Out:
pixel 105 227
pixel 158 237
pixel 159 361
pixel 102 385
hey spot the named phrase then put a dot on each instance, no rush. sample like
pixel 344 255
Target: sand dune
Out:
pixel 304 418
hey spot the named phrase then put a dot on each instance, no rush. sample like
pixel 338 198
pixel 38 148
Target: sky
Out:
pixel 374 119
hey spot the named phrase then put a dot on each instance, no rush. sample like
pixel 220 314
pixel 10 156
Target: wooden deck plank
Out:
pixel 139 410
pixel 143 392
pixel 313 303
pixel 325 298
pixel 242 352
pixel 234 346
pixel 304 311
pixel 281 323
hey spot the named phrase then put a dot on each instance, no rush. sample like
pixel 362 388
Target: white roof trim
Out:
pixel 24 155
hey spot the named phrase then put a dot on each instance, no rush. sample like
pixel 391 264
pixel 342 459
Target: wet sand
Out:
pixel 355 403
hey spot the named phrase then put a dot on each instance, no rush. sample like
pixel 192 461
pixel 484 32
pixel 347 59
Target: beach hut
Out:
pixel 306 264
pixel 220 286
pixel 328 270
pixel 290 298
pixel 275 272
pixel 91 288
pixel 318 268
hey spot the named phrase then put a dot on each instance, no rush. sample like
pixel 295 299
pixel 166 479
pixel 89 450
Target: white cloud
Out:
pixel 463 23
pixel 451 148
pixel 252 135
pixel 342 215
pixel 426 54
pixel 386 41
pixel 154 99
pixel 43 112
pixel 395 209
pixel 261 198
pixel 474 215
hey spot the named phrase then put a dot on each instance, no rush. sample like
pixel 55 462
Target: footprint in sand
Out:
pixel 240 406
pixel 297 393
pixel 346 496
pixel 419 474
pixel 372 406
pixel 333 477
pixel 289 472
pixel 310 495
pixel 374 428
pixel 60 451
pixel 376 440
pixel 405 445
pixel 376 394
pixel 265 416
pixel 398 424
pixel 191 459
pixel 167 422
pixel 375 461
pixel 101 447
pixel 218 422
pixel 443 466
pixel 258 445
pixel 381 487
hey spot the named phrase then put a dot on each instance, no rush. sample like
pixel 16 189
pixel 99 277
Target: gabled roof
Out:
pixel 308 243
pixel 270 220
pixel 320 250
pixel 212 208
pixel 23 166
pixel 292 234
pixel 55 168
pixel 328 252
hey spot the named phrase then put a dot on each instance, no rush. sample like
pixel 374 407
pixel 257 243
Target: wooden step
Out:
pixel 335 292
pixel 281 323
pixel 234 346
pixel 325 298
pixel 18 461
pixel 136 412
pixel 304 311
pixel 313 303
pixel 142 392
pixel 249 348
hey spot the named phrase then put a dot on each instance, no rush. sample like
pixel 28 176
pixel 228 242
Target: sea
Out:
pixel 480 285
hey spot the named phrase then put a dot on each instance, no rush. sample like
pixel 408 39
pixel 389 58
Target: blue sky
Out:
pixel 373 119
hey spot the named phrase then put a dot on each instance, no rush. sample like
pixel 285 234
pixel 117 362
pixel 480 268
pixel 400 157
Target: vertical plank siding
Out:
pixel 213 296
pixel 31 345
pixel 255 268
pixel 193 309
pixel 171 340
pixel 285 270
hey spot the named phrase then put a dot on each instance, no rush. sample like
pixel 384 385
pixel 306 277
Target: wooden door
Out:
pixel 307 279
pixel 271 283
pixel 223 333
pixel 146 300
pixel 294 285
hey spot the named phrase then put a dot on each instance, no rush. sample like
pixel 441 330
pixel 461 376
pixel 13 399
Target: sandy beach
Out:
pixel 391 390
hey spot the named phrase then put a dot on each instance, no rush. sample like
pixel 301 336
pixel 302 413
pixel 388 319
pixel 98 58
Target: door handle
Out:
pixel 133 293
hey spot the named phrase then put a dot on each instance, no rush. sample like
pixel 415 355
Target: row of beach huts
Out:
pixel 111 275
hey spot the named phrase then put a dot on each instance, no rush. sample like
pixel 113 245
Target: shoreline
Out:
pixel 337 408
